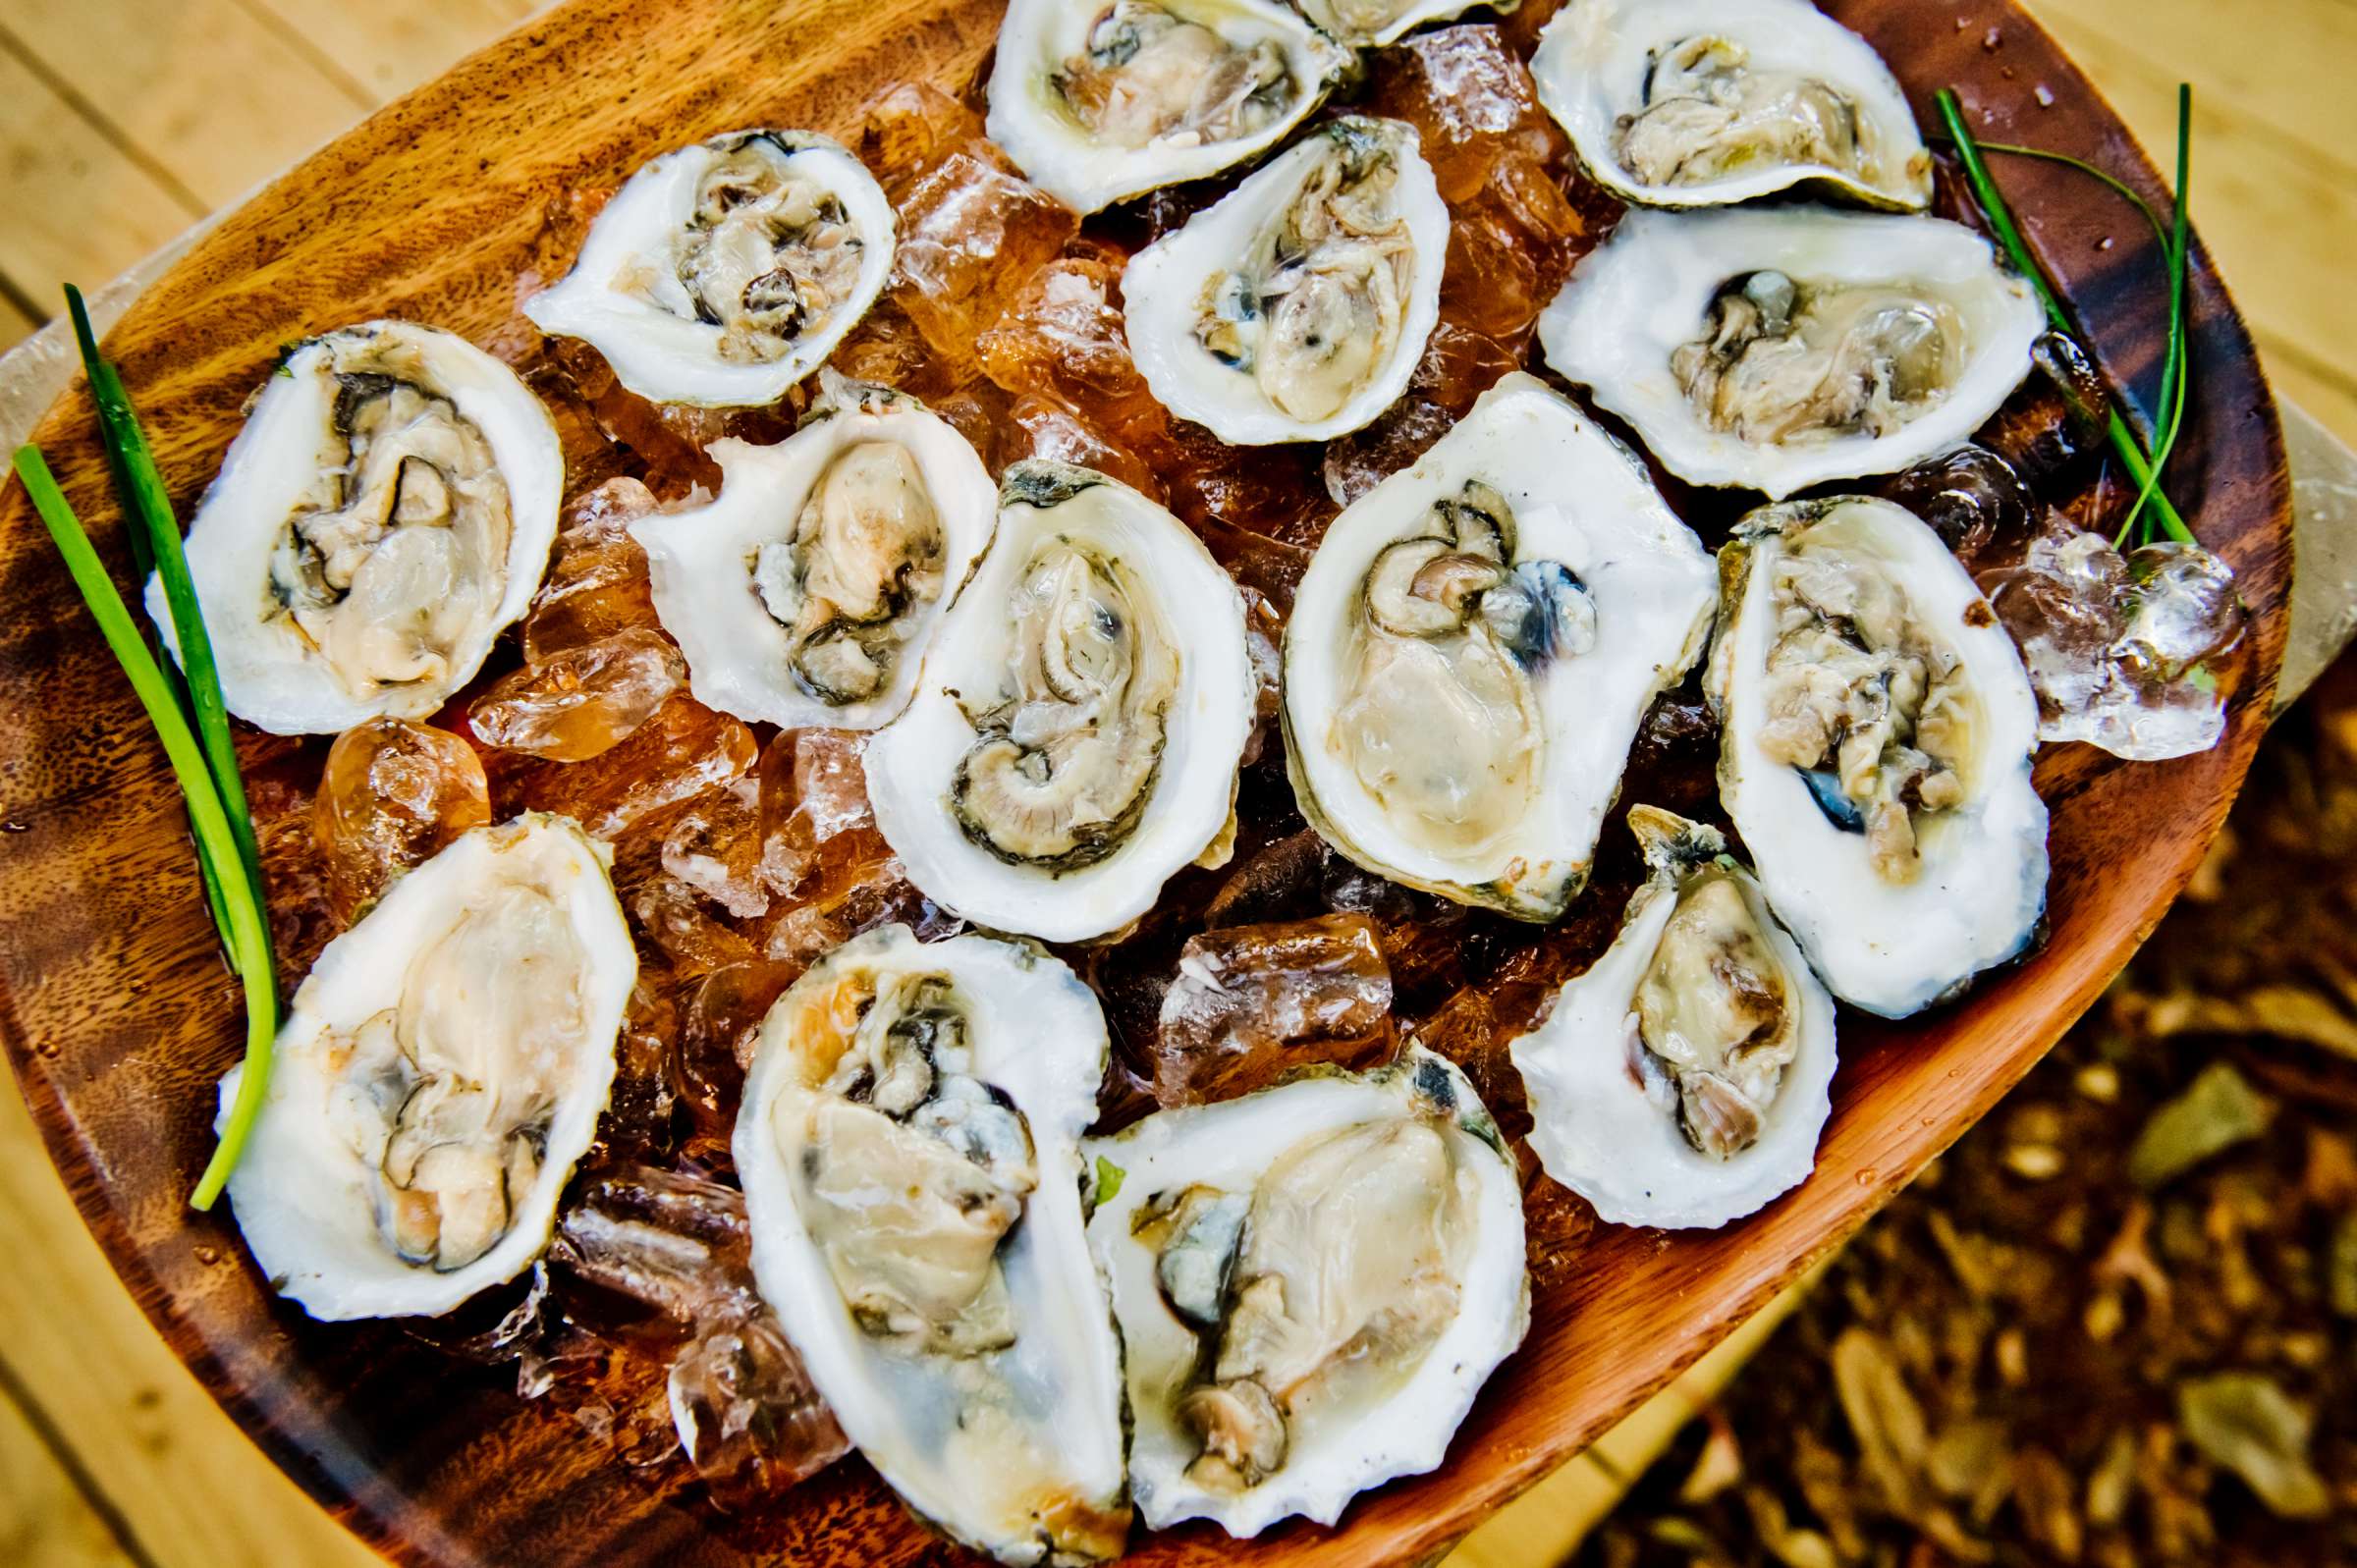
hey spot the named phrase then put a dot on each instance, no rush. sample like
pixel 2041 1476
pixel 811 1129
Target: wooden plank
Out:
pixel 78 206
pixel 392 48
pixel 208 97
pixel 2315 383
pixel 16 323
pixel 192 1492
pixel 47 1521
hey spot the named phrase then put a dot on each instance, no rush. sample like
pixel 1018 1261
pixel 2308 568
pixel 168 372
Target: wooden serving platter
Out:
pixel 117 1016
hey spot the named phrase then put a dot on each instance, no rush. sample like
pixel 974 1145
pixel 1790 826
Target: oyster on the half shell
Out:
pixel 910 1148
pixel 1474 645
pixel 1682 1080
pixel 1295 309
pixel 1101 103
pixel 723 273
pixel 807 591
pixel 386 511
pixel 1697 103
pixel 1077 734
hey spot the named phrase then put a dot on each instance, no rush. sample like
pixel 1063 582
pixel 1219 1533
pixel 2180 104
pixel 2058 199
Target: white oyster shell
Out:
pixel 1169 287
pixel 626 294
pixel 1155 129
pixel 1401 1427
pixel 1578 499
pixel 1979 893
pixel 1648 292
pixel 422 607
pixel 1178 602
pixel 310 1193
pixel 1599 61
pixel 1371 24
pixel 1597 1127
pixel 707 563
pixel 1016 1451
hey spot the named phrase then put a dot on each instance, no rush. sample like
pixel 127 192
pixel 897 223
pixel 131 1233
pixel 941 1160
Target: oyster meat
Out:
pixel 1681 1081
pixel 1099 104
pixel 1313 1281
pixel 910 1148
pixel 1371 24
pixel 442 1068
pixel 1697 103
pixel 1076 735
pixel 1779 347
pixel 1878 728
pixel 808 590
pixel 1473 646
pixel 386 511
pixel 722 274
pixel 1295 309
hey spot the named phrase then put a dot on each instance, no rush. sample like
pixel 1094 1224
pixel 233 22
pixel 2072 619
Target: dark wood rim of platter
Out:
pixel 117 1016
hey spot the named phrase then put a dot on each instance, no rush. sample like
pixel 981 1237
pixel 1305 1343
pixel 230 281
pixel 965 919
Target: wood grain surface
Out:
pixel 117 1016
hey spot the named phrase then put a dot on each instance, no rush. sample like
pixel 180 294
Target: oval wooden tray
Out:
pixel 117 1016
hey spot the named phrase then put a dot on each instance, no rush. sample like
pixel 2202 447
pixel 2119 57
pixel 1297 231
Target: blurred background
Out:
pixel 2116 1325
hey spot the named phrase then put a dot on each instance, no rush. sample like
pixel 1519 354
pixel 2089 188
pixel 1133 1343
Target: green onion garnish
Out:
pixel 189 718
pixel 2144 469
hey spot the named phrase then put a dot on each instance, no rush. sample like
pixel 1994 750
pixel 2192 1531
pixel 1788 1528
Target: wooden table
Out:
pixel 121 122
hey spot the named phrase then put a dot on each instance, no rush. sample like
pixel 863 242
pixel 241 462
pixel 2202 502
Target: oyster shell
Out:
pixel 910 1149
pixel 1877 728
pixel 808 590
pixel 723 273
pixel 1313 1281
pixel 1473 646
pixel 1295 309
pixel 1696 103
pixel 1778 348
pixel 1683 1080
pixel 1076 735
pixel 442 1068
pixel 1371 24
pixel 386 511
pixel 1100 104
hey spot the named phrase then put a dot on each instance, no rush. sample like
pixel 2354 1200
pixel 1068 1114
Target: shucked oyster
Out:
pixel 724 273
pixel 1473 648
pixel 1100 103
pixel 1877 728
pixel 1077 734
pixel 808 590
pixel 1313 1283
pixel 386 511
pixel 1682 1079
pixel 908 1144
pixel 1778 348
pixel 1371 24
pixel 1295 309
pixel 442 1068
pixel 1695 103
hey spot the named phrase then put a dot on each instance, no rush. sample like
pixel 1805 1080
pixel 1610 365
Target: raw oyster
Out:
pixel 1313 1281
pixel 1099 104
pixel 1371 24
pixel 1473 648
pixel 1776 348
pixel 910 1149
pixel 1295 309
pixel 1697 103
pixel 806 591
pixel 442 1068
pixel 386 511
pixel 1076 735
pixel 1681 1081
pixel 723 273
pixel 1877 734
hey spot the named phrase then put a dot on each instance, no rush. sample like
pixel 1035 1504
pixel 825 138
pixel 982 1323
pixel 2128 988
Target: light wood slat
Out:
pixel 392 48
pixel 77 207
pixel 208 96
pixel 46 1519
pixel 2282 63
pixel 2318 385
pixel 191 1490
pixel 14 325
